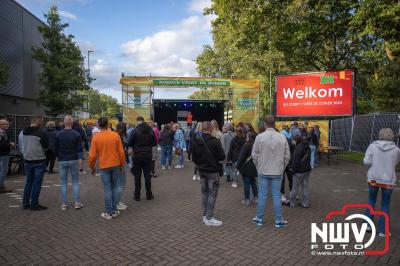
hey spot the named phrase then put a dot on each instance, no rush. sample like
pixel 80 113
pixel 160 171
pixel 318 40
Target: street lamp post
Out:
pixel 89 80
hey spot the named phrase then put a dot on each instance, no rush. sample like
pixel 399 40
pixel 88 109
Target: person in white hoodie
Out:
pixel 381 157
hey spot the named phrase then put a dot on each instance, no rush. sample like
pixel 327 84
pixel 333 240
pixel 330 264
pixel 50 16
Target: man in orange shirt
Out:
pixel 189 119
pixel 107 149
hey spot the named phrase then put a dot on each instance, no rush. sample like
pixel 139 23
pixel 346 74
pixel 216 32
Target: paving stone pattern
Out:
pixel 169 231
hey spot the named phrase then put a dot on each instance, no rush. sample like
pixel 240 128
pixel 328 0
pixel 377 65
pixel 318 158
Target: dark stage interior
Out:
pixel 166 111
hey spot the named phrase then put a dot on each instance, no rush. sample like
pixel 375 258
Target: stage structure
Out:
pixel 138 92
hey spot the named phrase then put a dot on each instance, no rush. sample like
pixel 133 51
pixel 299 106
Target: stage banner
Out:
pixel 245 94
pixel 315 94
pixel 323 128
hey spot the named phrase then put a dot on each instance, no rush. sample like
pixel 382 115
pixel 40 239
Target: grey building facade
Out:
pixel 18 33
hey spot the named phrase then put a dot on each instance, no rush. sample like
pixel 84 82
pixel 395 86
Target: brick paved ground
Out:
pixel 168 231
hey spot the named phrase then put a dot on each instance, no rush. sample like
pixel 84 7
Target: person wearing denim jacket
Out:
pixel 179 143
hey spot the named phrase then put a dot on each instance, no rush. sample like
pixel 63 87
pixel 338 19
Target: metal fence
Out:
pixel 19 122
pixel 357 132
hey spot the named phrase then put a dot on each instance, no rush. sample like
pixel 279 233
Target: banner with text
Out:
pixel 315 94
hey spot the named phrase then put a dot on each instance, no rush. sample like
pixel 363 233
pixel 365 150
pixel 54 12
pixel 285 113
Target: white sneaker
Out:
pixel 198 177
pixel 383 235
pixel 178 167
pixel 212 222
pixel 115 214
pixel 169 167
pixel 64 207
pixel 78 206
pixel 182 166
pixel 283 198
pixel 234 185
pixel 195 177
pixel 204 219
pixel 121 207
pixel 106 216
pixel 163 167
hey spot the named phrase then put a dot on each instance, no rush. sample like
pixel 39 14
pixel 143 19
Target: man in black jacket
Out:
pixel 33 145
pixel 141 141
pixel 301 167
pixel 206 154
pixel 5 147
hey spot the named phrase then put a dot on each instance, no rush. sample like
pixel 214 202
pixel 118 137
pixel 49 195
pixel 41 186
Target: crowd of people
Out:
pixel 263 160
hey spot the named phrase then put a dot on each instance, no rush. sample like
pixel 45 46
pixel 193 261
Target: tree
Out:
pixel 64 76
pixel 254 37
pixel 3 74
pixel 102 104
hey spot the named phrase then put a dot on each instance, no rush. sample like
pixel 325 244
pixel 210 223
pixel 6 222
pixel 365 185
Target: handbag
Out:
pixel 220 169
pixel 243 168
pixel 178 151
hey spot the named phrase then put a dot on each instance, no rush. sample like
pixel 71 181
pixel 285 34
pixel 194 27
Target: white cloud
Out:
pixel 168 52
pixel 197 6
pixel 66 14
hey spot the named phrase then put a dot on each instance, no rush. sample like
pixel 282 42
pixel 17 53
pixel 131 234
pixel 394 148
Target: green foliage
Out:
pixel 64 76
pixel 253 37
pixel 3 74
pixel 102 104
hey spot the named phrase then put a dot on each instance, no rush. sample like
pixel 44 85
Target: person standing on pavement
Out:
pixel 301 168
pixel 108 150
pixel 67 146
pixel 226 141
pixel 180 145
pixel 5 148
pixel 270 155
pixel 196 134
pixel 188 131
pixel 246 167
pixel 313 142
pixel 78 128
pixel 166 143
pixel 51 132
pixel 234 151
pixel 207 155
pixel 34 145
pixel 155 148
pixel 122 132
pixel 382 157
pixel 141 141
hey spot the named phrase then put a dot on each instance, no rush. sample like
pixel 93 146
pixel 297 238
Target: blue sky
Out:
pixel 137 37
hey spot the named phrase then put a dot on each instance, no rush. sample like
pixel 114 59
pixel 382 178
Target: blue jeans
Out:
pixel 264 181
pixel 3 169
pixel 33 185
pixel 73 167
pixel 166 155
pixel 385 205
pixel 181 158
pixel 121 183
pixel 247 183
pixel 313 149
pixel 110 178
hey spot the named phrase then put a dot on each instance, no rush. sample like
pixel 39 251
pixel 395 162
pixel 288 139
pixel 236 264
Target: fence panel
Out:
pixel 356 133
pixel 340 133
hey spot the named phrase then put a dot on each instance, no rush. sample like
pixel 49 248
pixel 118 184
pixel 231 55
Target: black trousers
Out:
pixel 50 160
pixel 288 173
pixel 142 166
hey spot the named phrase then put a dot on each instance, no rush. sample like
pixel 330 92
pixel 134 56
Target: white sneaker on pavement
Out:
pixel 64 207
pixel 198 177
pixel 212 222
pixel 163 167
pixel 283 198
pixel 78 206
pixel 169 167
pixel 121 207
pixel 204 219
pixel 106 216
pixel 178 167
pixel 194 177
pixel 234 185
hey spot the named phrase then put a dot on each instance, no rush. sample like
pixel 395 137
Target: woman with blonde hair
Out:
pixel 215 132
